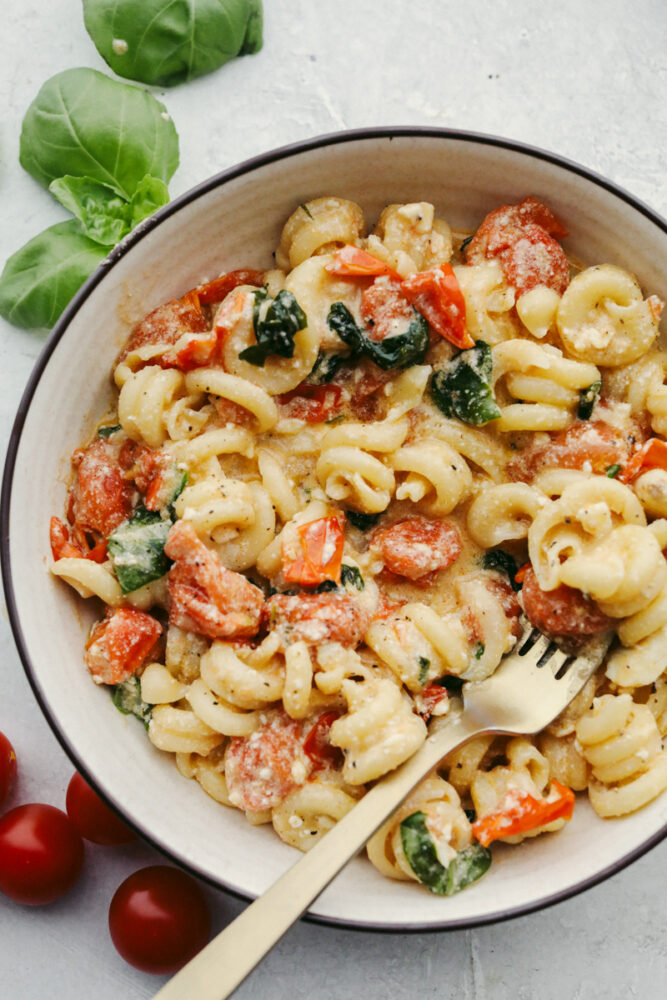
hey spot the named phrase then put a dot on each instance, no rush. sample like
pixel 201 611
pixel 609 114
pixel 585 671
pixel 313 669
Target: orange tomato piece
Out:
pixel 417 546
pixel 563 611
pixel 652 455
pixel 351 262
pixel 312 403
pixel 385 310
pixel 432 695
pixel 315 618
pixel 317 745
pixel 120 644
pixel 437 295
pixel 319 556
pixel 520 812
pixel 259 769
pixel 206 597
pixel 63 548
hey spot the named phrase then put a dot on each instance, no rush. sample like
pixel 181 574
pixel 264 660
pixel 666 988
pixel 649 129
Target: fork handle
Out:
pixel 225 962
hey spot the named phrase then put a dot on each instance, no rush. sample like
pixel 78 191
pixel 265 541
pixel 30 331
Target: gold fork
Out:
pixel 528 690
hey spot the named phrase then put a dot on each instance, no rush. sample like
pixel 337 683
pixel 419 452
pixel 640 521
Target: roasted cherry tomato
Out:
pixel 312 403
pixel 317 745
pixel 417 546
pixel 92 818
pixel 563 611
pixel 41 854
pixel 159 919
pixel 385 310
pixel 260 769
pixel 7 768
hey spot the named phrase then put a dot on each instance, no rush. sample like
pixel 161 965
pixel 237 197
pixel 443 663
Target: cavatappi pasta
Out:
pixel 328 490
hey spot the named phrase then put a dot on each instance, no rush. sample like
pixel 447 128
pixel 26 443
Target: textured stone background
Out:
pixel 584 78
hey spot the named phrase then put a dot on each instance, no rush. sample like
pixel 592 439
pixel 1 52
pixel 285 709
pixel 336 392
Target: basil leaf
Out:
pixel 465 868
pixel 325 587
pixel 102 212
pixel 612 471
pixel 107 217
pixel 404 349
pixel 503 562
pixel 341 321
pixel 463 388
pixel 351 575
pixel 105 432
pixel 325 368
pixel 127 699
pixel 39 279
pixel 275 325
pixel 424 664
pixel 587 400
pixel 136 549
pixel 478 651
pixel 450 683
pixel 162 42
pixel 362 522
pixel 84 124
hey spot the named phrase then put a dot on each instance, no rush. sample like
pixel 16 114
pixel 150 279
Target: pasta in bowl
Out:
pixel 322 493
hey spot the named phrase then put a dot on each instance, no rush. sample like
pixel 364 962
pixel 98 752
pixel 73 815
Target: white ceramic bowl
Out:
pixel 234 220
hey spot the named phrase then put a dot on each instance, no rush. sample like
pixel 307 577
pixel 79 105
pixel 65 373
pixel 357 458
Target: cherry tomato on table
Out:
pixel 159 919
pixel 7 768
pixel 41 854
pixel 92 818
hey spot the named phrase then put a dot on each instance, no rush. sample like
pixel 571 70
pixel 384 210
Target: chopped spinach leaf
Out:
pixel 325 368
pixel 612 471
pixel 105 432
pixel 275 322
pixel 503 562
pixel 362 522
pixel 136 549
pixel 478 651
pixel 351 575
pixel 587 399
pixel 401 351
pixel 424 664
pixel 127 699
pixel 465 868
pixel 325 587
pixel 463 388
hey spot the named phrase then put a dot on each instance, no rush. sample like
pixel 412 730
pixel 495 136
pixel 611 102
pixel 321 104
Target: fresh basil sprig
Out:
pixel 400 351
pixel 164 43
pixel 463 388
pixel 275 322
pixel 465 868
pixel 105 216
pixel 84 124
pixel 108 167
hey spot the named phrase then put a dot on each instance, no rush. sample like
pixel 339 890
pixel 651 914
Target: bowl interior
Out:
pixel 235 221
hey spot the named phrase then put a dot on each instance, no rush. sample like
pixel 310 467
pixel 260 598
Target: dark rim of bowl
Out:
pixel 247 166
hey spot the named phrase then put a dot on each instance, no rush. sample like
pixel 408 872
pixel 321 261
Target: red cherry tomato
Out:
pixel 7 768
pixel 159 919
pixel 92 818
pixel 41 854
